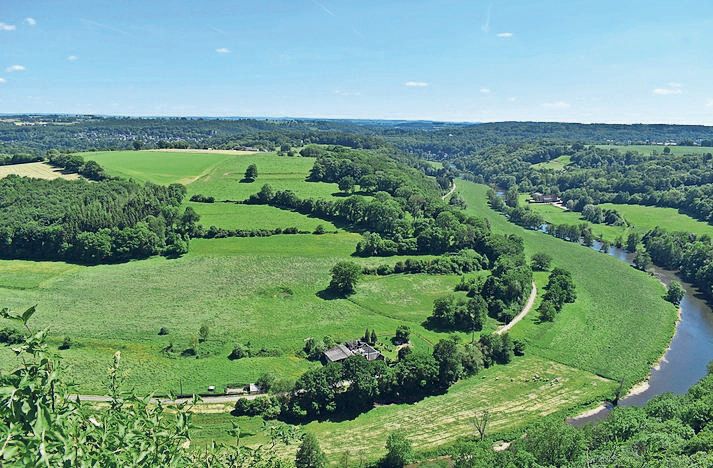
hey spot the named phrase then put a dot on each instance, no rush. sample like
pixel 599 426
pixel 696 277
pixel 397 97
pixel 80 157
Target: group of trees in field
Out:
pixel 356 384
pixel 379 170
pixel 108 221
pixel 75 163
pixel 500 295
pixel 18 158
pixel 406 221
pixel 458 263
pixel 560 290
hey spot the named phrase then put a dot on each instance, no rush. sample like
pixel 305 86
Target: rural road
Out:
pixel 453 189
pixel 205 399
pixel 522 314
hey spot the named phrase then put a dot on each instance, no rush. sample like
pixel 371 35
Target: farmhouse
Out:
pixel 341 352
pixel 538 197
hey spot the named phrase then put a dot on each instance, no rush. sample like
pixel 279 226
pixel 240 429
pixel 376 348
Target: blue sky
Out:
pixel 603 61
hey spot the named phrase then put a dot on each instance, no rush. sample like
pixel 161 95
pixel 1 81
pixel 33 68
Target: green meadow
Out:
pixel 619 324
pixel 235 216
pixel 640 218
pixel 270 293
pixel 158 166
pixel 555 164
pixel 225 180
pixel 648 217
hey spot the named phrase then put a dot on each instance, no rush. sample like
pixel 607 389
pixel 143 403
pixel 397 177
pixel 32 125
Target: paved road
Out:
pixel 522 314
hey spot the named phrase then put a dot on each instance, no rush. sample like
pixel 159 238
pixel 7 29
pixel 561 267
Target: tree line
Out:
pixel 356 385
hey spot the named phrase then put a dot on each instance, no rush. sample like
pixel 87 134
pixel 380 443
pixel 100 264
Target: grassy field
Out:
pixel 648 217
pixel 234 216
pixel 36 170
pixel 510 392
pixel 265 291
pixel 283 173
pixel 641 218
pixel 270 292
pixel 556 164
pixel 619 324
pixel 215 174
pixel 158 167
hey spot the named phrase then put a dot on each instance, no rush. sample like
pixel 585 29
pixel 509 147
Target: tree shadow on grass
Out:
pixel 328 294
pixel 246 181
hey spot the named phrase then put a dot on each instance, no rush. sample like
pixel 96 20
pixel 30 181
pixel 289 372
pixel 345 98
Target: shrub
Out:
pixel 11 335
pixel 239 351
pixel 163 331
pixel 66 343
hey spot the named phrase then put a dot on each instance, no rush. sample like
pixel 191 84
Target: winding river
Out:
pixel 691 349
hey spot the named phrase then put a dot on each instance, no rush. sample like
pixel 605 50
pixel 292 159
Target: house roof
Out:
pixel 368 352
pixel 337 353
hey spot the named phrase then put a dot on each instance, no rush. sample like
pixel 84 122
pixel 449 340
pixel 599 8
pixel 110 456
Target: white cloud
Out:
pixel 7 27
pixel 558 105
pixel 3 80
pixel 505 34
pixel 674 84
pixel 512 99
pixel 30 21
pixel 485 90
pixel 709 103
pixel 223 50
pixel 667 91
pixel 14 68
pixel 72 58
pixel 416 84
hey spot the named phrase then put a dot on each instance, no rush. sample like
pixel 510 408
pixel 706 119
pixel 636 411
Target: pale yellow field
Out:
pixel 36 170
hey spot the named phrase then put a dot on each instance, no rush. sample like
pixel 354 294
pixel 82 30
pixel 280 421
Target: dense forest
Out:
pixel 91 222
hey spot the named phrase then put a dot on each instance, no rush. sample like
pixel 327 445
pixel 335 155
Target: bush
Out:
pixel 266 381
pixel 402 333
pixel 399 450
pixel 314 348
pixel 541 261
pixel 239 351
pixel 163 331
pixel 11 335
pixel 198 198
pixel 66 343
pixel 319 229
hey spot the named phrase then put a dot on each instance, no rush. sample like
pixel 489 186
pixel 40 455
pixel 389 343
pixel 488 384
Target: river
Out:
pixel 691 349
pixel 685 361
